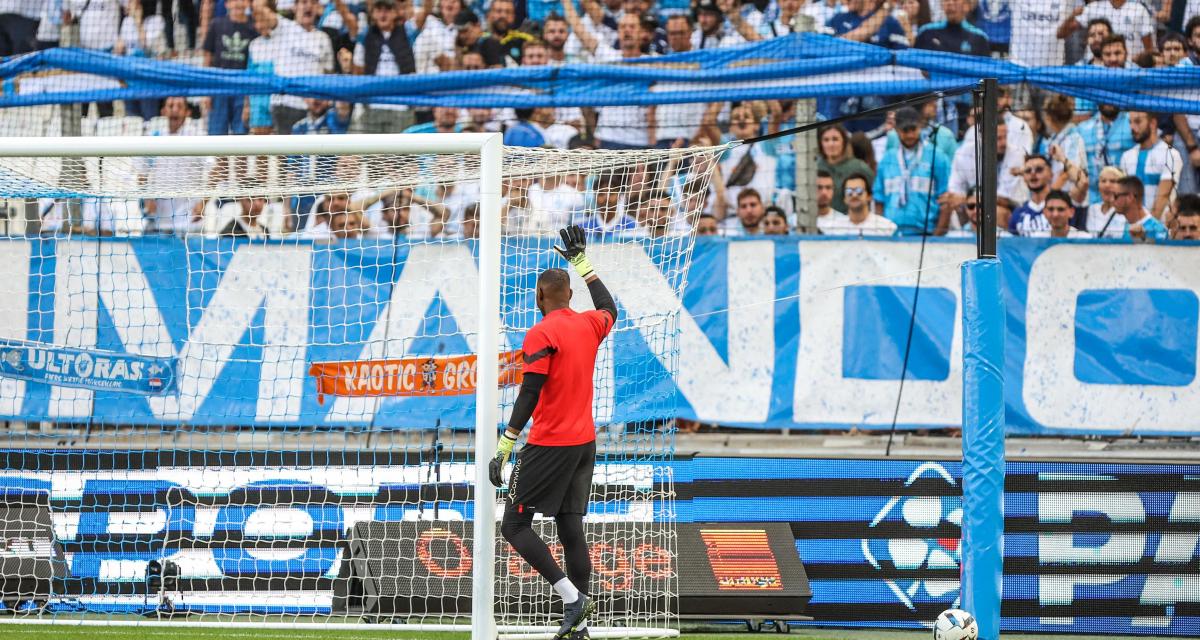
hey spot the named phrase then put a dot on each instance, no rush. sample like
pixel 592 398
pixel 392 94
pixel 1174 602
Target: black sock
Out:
pixel 575 550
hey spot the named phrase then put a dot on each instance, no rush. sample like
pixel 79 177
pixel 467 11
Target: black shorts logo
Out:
pixel 512 481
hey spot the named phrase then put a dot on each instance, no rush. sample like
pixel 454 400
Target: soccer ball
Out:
pixel 955 624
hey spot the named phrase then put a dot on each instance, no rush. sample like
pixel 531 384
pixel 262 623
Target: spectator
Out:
pixel 19 26
pixel 291 51
pixel 246 219
pixel 1192 32
pixel 470 39
pixel 750 212
pixel 330 204
pixel 1027 219
pixel 1114 53
pixel 434 47
pixel 400 213
pixel 536 54
pixel 860 219
pixel 1058 211
pixel 226 45
pixel 676 124
pixel 1103 220
pixel 775 222
pixel 1187 218
pixel 306 13
pixel 1155 164
pixel 320 119
pixel 655 214
pixel 470 223
pixel 1139 223
pixel 747 165
pixel 169 173
pixel 524 133
pixel 912 16
pixel 788 10
pixel 1065 147
pixel 706 225
pixel 555 201
pixel 1106 137
pixel 1128 18
pixel 445 120
pixel 710 27
pixel 340 23
pixel 837 158
pixel 909 178
pixel 745 18
pixel 555 33
pixel 943 137
pixel 1174 50
pixel 627 127
pixel 954 34
pixel 1098 30
pixel 384 51
pixel 508 40
pixel 863 21
pixel 1033 42
pixel 609 215
pixel 99 23
pixel 968 218
pixel 145 37
pixel 869 21
pixel 347 225
pixel 826 214
pixel 1010 156
pixel 821 11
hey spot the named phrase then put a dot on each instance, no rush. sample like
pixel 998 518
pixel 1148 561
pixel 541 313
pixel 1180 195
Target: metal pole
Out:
pixel 804 146
pixel 986 148
pixel 487 393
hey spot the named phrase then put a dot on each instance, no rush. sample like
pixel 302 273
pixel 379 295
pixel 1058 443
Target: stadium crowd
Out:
pixel 1066 167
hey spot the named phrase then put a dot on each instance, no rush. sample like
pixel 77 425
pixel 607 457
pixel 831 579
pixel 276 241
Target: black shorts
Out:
pixel 553 480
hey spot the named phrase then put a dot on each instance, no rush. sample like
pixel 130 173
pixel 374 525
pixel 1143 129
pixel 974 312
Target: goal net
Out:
pixel 242 388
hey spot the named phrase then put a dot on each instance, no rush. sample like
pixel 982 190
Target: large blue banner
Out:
pixel 808 333
pixel 788 67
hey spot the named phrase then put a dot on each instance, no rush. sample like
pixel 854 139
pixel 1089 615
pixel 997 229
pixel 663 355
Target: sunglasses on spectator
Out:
pixel 1032 170
pixel 971 206
pixel 1120 194
pixel 855 191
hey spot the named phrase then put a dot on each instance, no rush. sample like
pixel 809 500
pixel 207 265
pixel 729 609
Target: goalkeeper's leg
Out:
pixel 575 552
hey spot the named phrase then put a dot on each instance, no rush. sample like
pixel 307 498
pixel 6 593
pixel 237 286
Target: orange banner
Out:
pixel 423 376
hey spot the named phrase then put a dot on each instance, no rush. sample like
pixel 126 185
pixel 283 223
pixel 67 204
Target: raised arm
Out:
pixel 574 243
pixel 870 26
pixel 585 37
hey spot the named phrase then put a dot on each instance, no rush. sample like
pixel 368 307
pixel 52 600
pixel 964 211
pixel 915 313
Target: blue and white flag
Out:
pixel 86 368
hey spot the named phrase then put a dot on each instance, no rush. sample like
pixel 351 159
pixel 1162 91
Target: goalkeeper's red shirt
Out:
pixel 563 347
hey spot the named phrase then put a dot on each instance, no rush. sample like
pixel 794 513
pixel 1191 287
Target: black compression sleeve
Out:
pixel 527 399
pixel 601 298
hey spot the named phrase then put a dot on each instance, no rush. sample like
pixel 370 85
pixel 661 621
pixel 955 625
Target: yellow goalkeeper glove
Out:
pixel 504 448
pixel 574 242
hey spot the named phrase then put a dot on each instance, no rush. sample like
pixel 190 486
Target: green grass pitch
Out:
pixel 40 632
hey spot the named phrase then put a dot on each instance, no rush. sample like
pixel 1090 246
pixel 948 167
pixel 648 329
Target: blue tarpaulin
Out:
pixel 790 67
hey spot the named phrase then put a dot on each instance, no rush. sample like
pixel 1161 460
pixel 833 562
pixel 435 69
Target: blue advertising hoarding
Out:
pixel 1089 547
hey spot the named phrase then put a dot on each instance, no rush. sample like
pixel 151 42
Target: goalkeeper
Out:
pixel 553 472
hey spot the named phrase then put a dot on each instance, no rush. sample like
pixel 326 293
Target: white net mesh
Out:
pixel 244 388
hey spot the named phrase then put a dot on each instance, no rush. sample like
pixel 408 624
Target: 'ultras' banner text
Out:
pixel 799 333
